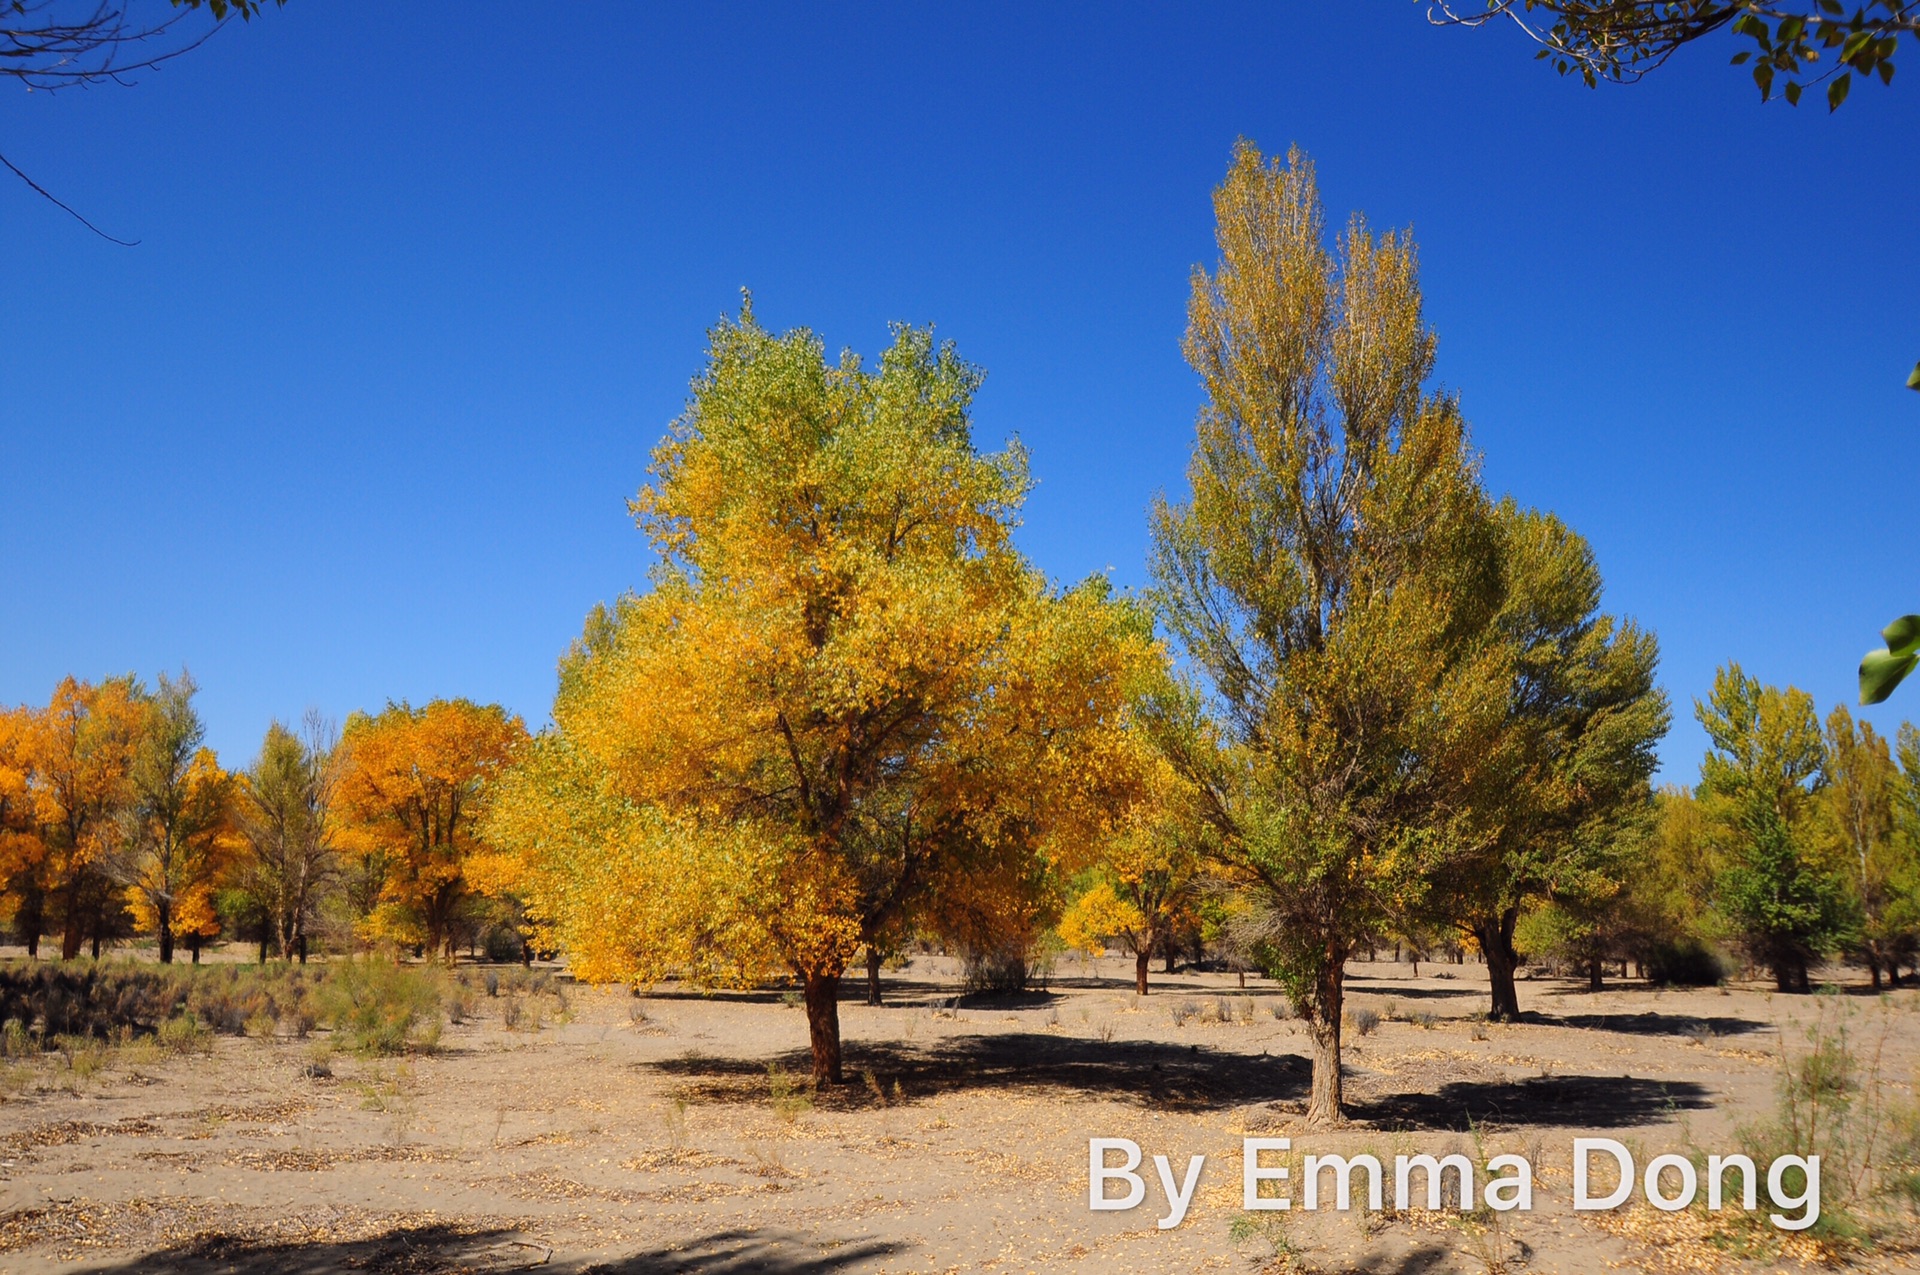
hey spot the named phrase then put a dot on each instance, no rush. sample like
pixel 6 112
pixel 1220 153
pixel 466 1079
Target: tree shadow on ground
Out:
pixel 1592 1102
pixel 755 1252
pixel 1165 1077
pixel 1653 1024
pixel 452 1250
pixel 897 994
pixel 1400 991
pixel 413 1250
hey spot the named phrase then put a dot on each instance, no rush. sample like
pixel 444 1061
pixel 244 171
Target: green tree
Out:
pixel 1784 901
pixel 176 812
pixel 286 815
pixel 1333 576
pixel 1583 720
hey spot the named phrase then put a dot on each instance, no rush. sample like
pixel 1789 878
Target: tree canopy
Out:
pixel 1333 576
pixel 845 701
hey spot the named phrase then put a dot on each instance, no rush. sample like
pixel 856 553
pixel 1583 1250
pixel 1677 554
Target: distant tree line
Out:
pixel 116 820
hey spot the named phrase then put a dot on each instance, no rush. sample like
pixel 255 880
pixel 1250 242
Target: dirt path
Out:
pixel 648 1135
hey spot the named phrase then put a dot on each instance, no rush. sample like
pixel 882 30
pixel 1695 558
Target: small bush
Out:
pixel 1363 1021
pixel 1684 963
pixel 789 1097
pixel 382 1008
pixel 185 1034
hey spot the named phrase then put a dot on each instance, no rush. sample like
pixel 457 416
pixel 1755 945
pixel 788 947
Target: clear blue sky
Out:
pixel 419 285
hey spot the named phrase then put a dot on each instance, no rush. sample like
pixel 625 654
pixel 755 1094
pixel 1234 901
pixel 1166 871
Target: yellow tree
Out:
pixel 409 792
pixel 846 700
pixel 1334 577
pixel 1147 876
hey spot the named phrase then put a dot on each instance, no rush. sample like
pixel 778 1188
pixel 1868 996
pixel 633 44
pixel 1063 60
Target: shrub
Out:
pixel 381 1008
pixel 789 1097
pixel 1686 962
pixel 1363 1021
pixel 1831 1100
pixel 1000 970
pixel 184 1034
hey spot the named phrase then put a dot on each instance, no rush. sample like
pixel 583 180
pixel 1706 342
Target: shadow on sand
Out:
pixel 1652 1024
pixel 1166 1077
pixel 1588 1102
pixel 444 1250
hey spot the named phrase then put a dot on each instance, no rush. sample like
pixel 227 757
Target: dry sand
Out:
pixel 643 1135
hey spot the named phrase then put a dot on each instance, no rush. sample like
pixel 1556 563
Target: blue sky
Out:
pixel 420 285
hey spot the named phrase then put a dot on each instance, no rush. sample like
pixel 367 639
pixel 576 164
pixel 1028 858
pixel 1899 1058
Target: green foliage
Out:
pixel 1833 1099
pixel 381 1007
pixel 1569 824
pixel 1881 671
pixel 791 1097
pixel 1333 577
pixel 1794 44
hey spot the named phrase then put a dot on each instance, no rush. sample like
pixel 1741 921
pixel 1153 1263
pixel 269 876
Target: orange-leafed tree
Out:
pixel 846 707
pixel 410 787
pixel 176 828
pixel 20 845
pixel 80 751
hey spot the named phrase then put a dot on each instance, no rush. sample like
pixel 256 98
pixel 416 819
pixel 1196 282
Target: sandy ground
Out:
pixel 645 1134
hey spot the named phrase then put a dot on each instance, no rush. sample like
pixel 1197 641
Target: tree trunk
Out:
pixel 1172 954
pixel 96 943
pixel 873 975
pixel 822 991
pixel 1243 979
pixel 1495 935
pixel 526 951
pixel 1140 959
pixel 164 928
pixel 1596 980
pixel 300 943
pixel 264 940
pixel 1790 975
pixel 1324 1104
pixel 1873 972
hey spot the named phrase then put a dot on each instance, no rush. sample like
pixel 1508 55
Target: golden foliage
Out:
pixel 410 788
pixel 846 704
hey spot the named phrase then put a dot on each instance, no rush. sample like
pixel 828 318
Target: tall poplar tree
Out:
pixel 1333 574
